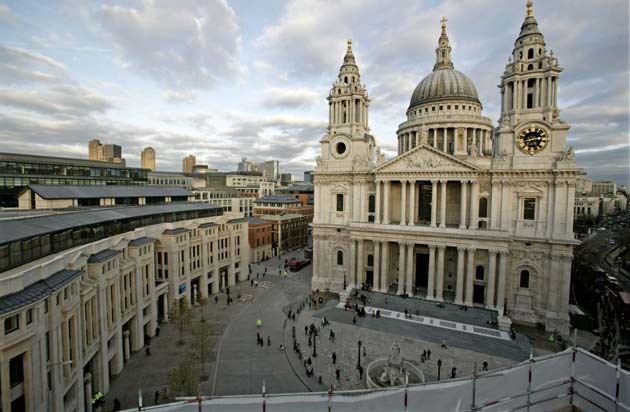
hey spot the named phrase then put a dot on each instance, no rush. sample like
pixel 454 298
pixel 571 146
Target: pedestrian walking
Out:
pixel 453 372
pixel 147 351
pixel 157 331
pixel 338 374
pixel 156 397
pixel 331 336
pixel 360 372
pixel 484 366
pixel 117 406
pixel 257 336
pixel 429 354
pixel 216 299
pixel 354 320
pixel 444 344
pixel 334 358
pixel 268 341
pixel 251 282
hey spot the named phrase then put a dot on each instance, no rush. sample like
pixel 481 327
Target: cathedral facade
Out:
pixel 466 212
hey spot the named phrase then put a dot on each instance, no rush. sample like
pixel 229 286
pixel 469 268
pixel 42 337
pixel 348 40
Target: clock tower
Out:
pixel 531 134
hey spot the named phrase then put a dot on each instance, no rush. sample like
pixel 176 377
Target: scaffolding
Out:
pixel 572 378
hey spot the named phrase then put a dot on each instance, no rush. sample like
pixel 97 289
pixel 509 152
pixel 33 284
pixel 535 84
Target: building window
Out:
pixel 529 209
pixel 479 273
pixel 339 203
pixel 11 324
pixel 525 278
pixel 483 207
pixel 29 316
pixel 339 258
pixel 370 260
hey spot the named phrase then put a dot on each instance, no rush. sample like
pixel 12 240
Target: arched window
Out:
pixel 530 67
pixel 339 258
pixel 530 54
pixel 479 273
pixel 520 55
pixel 483 207
pixel 370 260
pixel 525 278
pixel 345 80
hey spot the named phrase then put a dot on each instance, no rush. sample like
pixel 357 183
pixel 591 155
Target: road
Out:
pixel 243 366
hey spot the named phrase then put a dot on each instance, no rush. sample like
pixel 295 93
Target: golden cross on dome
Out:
pixel 530 8
pixel 443 21
pixel 349 44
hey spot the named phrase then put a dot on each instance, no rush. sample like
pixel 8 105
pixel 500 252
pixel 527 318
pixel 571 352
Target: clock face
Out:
pixel 532 140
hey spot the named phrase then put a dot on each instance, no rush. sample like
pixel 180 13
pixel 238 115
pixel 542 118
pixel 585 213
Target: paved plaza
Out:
pixel 238 365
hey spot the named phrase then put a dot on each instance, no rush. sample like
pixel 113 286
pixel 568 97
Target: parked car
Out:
pixel 295 264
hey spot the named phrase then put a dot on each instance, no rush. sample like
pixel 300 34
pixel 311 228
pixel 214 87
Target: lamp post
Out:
pixel 359 355
pixel 314 344
pixel 439 365
pixel 344 281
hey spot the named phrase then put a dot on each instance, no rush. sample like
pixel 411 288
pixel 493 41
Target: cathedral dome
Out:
pixel 444 84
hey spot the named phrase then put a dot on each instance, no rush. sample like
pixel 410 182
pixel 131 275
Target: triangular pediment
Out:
pixel 425 158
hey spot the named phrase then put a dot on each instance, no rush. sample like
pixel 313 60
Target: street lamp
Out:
pixel 439 364
pixel 359 355
pixel 344 281
pixel 314 344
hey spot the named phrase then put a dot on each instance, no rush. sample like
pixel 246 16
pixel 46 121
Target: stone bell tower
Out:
pixel 531 134
pixel 347 144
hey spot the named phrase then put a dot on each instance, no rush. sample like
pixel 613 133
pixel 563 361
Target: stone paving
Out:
pixel 150 373
pixel 377 344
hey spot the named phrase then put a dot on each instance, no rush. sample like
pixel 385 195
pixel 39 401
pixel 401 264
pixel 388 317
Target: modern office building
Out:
pixel 147 159
pixel 242 179
pixel 309 177
pixel 288 231
pixel 271 170
pixel 170 179
pixel 285 179
pixel 59 197
pixel 105 152
pixel 283 204
pixel 229 199
pixel 188 164
pixel 20 170
pixel 260 244
pixel 80 291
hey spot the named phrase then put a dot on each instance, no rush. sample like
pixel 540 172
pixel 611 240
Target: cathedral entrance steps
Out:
pixel 435 322
pixel 493 346
pixel 472 316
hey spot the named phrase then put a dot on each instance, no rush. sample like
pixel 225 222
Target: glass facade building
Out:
pixel 19 170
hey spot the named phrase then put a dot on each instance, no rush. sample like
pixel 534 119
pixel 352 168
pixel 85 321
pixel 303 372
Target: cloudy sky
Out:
pixel 246 78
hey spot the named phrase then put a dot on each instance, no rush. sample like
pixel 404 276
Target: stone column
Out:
pixel 353 266
pixel 377 210
pixel 463 204
pixel 444 140
pixel 481 143
pixel 360 262
pixel 410 258
pixel 470 273
pixel 126 350
pixel 503 256
pixel 385 280
pixel 474 205
pixel 386 203
pixel 466 145
pixel 431 276
pixel 492 258
pixel 459 288
pixel 377 265
pixel 403 202
pixel 439 289
pixel 87 391
pixel 412 202
pixel 443 203
pixel 434 138
pixel 434 184
pixel 555 93
pixel 401 268
pixel 474 134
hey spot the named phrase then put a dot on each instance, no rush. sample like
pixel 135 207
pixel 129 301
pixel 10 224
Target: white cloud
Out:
pixel 183 44
pixel 179 96
pixel 294 97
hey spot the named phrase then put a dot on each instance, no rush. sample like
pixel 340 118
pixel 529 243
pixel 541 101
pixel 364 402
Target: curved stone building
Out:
pixel 465 212
pixel 80 291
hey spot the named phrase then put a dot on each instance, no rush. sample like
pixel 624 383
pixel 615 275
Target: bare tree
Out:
pixel 201 300
pixel 181 313
pixel 201 333
pixel 182 380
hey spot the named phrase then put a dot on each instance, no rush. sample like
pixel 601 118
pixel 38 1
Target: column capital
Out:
pixel 434 181
pixel 461 249
pixel 493 251
pixel 471 249
pixel 441 247
pixel 431 246
pixel 376 242
pixel 410 244
pixel 404 180
pixel 504 252
pixel 443 181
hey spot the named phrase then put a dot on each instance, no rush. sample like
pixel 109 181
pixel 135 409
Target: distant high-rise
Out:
pixel 188 164
pixel 309 177
pixel 246 165
pixel 271 170
pixel 105 152
pixel 147 158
